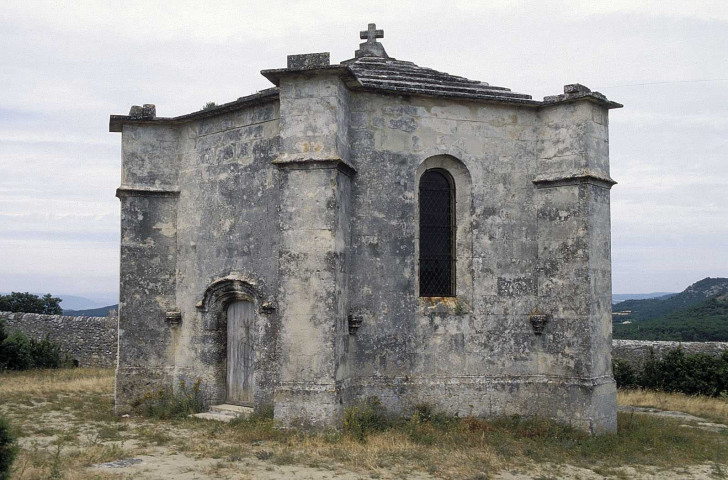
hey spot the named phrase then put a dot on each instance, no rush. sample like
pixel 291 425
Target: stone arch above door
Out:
pixel 221 293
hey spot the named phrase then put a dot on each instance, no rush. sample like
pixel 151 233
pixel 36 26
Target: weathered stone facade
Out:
pixel 303 199
pixel 89 341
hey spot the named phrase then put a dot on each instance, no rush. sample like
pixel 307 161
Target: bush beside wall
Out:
pixel 676 371
pixel 90 341
pixel 18 352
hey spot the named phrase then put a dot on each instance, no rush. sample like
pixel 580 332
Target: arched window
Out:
pixel 437 234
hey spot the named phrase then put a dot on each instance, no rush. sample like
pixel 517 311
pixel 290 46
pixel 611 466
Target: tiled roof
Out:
pixel 389 74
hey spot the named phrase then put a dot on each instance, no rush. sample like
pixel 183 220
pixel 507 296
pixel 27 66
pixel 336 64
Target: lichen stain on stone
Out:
pixel 167 229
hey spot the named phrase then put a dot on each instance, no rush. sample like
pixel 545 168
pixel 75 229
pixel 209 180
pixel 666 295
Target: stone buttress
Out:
pixel 315 185
pixel 574 257
pixel 148 195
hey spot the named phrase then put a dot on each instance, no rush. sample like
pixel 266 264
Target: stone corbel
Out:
pixel 267 308
pixel 538 320
pixel 173 317
pixel 355 322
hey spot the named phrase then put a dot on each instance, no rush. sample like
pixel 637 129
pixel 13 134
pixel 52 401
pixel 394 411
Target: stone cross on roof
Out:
pixel 371 48
pixel 371 34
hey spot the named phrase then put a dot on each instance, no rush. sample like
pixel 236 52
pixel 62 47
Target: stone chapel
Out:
pixel 371 228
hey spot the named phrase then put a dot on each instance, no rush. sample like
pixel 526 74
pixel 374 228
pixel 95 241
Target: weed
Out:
pixel 8 449
pixel 284 458
pixel 166 404
pixel 364 417
pixel 263 454
pixel 257 427
pixel 56 465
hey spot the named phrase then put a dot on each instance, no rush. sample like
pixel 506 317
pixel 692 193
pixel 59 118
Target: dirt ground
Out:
pixel 66 430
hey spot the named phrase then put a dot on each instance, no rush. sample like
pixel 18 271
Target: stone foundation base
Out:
pixel 586 404
pixel 314 406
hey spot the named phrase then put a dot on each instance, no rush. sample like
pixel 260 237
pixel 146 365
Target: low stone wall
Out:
pixel 637 351
pixel 89 340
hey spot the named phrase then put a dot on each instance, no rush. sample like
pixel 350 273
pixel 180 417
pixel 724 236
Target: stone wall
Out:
pixel 637 351
pixel 89 340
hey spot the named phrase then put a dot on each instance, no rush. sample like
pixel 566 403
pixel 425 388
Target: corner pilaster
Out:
pixel 148 195
pixel 315 189
pixel 574 284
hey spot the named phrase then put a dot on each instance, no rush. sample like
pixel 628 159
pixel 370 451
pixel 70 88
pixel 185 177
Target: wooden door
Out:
pixel 240 326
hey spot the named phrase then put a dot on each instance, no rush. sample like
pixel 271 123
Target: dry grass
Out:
pixel 394 451
pixel 715 409
pixel 65 380
pixel 65 422
pixel 390 453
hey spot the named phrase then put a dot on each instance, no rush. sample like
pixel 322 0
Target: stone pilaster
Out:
pixel 148 195
pixel 314 248
pixel 574 285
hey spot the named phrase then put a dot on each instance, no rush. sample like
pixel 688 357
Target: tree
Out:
pixel 29 303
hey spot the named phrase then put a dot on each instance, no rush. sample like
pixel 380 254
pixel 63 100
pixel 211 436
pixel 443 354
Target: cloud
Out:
pixel 67 66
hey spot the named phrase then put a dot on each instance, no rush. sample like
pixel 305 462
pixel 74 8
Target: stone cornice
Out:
pixel 116 122
pixel 564 178
pixel 302 163
pixel 275 75
pixel 576 92
pixel 146 191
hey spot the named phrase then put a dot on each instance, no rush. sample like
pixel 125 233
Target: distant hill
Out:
pixel 657 307
pixel 93 312
pixel 699 313
pixel 621 297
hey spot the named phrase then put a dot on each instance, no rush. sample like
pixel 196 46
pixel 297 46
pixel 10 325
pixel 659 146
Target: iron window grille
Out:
pixel 437 234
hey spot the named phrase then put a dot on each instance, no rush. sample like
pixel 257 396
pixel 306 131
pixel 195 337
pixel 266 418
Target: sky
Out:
pixel 66 66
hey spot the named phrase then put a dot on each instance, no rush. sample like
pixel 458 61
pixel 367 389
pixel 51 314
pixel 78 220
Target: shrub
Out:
pixel 624 374
pixel 45 354
pixel 166 403
pixel 3 337
pixel 15 352
pixel 7 450
pixel 364 417
pixel 677 371
pixel 18 352
pixel 689 373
